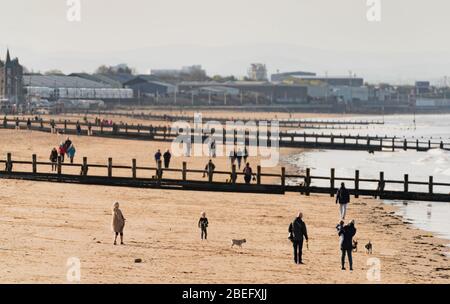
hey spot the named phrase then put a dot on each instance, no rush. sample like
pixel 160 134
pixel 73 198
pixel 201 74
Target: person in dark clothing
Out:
pixel 297 231
pixel 67 143
pixel 209 169
pixel 29 124
pixel 78 128
pixel 158 156
pixel 248 173
pixel 343 198
pixel 239 158
pixel 346 233
pixel 54 159
pixel 167 157
pixel 203 225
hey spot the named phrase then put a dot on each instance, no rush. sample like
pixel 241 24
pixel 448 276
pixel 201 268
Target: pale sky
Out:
pixel 411 41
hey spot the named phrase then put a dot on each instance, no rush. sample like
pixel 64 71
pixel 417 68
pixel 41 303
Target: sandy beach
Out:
pixel 45 224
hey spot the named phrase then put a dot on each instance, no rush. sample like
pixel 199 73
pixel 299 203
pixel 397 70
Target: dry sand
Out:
pixel 44 224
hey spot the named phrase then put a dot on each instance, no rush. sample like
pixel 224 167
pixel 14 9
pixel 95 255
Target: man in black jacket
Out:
pixel 297 231
pixel 346 233
pixel 343 198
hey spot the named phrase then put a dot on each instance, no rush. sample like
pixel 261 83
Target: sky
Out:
pixel 409 43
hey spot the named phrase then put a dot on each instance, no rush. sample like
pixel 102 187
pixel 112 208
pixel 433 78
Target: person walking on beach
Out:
pixel 239 158
pixel 203 225
pixel 54 159
pixel 245 155
pixel 71 153
pixel 62 151
pixel 248 174
pixel 167 156
pixel 158 156
pixel 118 223
pixel 89 129
pixel 346 234
pixel 209 169
pixel 297 231
pixel 212 148
pixel 29 124
pixel 78 126
pixel 343 198
pixel 17 124
pixel 53 125
pixel 232 157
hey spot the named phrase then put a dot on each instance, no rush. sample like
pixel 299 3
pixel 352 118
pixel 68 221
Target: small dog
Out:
pixel 238 242
pixel 355 246
pixel 369 248
pixel 371 152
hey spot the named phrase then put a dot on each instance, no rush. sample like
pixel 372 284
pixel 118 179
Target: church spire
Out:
pixel 8 57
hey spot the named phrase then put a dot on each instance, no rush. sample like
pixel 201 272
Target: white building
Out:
pixel 257 72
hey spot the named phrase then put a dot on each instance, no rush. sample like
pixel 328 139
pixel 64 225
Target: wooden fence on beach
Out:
pixel 288 122
pixel 247 137
pixel 223 181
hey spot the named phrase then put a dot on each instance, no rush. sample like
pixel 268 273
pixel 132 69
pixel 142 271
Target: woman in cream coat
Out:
pixel 118 222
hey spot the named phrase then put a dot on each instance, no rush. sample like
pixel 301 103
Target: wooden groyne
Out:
pixel 247 137
pixel 290 122
pixel 192 179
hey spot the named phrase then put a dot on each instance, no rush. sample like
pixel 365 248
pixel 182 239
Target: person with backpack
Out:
pixel 343 198
pixel 298 232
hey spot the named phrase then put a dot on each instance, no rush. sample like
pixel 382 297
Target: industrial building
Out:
pixel 257 72
pixel 280 77
pixel 55 87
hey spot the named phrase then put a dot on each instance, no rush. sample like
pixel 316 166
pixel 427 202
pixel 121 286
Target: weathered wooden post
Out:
pixel 429 144
pixel 34 163
pixel 133 167
pixel 159 171
pixel 139 128
pixel 441 145
pixel 405 183
pixel 84 168
pixel 405 144
pixel 283 177
pixel 381 143
pixel 258 175
pixel 9 164
pixel 307 181
pixel 381 184
pixel 110 167
pixel 417 145
pixel 59 165
pixel 233 174
pixel 430 185
pixel 65 126
pixel 393 144
pixel 183 173
pixel 356 183
pixel 332 176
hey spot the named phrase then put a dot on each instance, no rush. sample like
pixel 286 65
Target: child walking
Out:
pixel 203 225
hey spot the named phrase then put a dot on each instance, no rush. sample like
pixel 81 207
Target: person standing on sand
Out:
pixel 54 159
pixel 203 225
pixel 239 158
pixel 346 234
pixel 62 151
pixel 167 156
pixel 248 173
pixel 118 223
pixel 209 169
pixel 343 198
pixel 158 156
pixel 297 231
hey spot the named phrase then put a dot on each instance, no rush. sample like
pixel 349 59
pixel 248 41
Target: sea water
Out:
pixel 431 216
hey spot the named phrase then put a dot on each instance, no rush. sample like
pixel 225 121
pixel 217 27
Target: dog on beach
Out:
pixel 369 248
pixel 238 242
pixel 355 246
pixel 371 152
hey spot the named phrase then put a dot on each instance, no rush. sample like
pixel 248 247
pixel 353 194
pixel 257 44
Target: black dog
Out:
pixel 369 248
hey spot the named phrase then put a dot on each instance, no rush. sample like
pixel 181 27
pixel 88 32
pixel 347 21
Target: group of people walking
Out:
pixel 65 148
pixel 298 232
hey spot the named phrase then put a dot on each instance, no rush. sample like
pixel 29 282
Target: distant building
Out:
pixel 332 81
pixel 55 87
pixel 147 85
pixel 422 87
pixel 11 80
pixel 193 72
pixel 280 77
pixel 257 72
